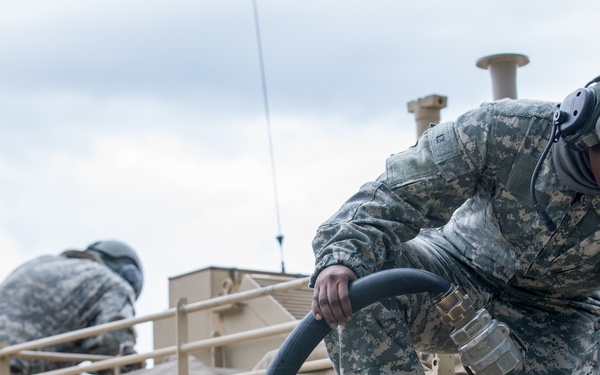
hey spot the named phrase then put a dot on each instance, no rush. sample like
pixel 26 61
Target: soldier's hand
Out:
pixel 330 299
pixel 127 349
pixel 132 367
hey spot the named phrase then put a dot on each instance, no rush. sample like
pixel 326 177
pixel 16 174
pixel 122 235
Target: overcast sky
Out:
pixel 144 120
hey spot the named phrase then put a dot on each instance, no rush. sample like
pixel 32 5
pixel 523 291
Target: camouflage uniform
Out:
pixel 50 295
pixel 457 204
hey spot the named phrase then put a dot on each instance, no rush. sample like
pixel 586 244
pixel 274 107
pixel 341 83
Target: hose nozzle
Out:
pixel 486 346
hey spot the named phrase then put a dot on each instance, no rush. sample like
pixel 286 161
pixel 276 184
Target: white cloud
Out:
pixel 11 254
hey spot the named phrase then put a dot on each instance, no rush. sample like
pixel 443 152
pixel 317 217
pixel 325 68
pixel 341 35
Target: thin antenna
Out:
pixel 279 236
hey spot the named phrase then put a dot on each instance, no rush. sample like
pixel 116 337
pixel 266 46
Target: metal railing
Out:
pixel 28 350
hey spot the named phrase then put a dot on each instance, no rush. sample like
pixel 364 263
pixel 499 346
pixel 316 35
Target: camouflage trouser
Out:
pixel 382 338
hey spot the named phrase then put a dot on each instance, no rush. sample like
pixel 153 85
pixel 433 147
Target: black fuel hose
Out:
pixel 363 292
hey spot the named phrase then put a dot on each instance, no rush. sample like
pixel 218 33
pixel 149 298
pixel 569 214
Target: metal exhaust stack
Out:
pixel 503 68
pixel 427 111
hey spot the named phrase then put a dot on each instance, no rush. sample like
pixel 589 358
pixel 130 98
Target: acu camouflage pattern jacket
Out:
pixel 471 178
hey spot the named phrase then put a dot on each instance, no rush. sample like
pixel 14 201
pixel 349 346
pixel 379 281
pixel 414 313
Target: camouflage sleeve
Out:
pixel 116 305
pixel 421 188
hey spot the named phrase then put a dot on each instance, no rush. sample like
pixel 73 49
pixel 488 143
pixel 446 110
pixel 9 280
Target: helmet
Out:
pixel 112 252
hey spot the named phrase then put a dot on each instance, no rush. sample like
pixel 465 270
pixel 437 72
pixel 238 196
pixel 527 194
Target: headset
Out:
pixel 573 122
pixel 573 115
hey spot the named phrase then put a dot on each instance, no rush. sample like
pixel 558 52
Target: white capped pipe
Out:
pixel 503 68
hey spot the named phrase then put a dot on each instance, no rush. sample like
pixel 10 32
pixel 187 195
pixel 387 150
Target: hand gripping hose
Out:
pixel 484 344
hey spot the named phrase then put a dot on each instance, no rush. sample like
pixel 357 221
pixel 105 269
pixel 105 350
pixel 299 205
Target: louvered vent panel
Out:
pixel 297 302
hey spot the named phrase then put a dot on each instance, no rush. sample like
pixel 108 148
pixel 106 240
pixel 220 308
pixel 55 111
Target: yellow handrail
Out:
pixel 170 350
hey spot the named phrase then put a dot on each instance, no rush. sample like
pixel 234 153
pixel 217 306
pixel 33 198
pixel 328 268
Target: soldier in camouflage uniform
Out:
pixel 458 204
pixel 53 294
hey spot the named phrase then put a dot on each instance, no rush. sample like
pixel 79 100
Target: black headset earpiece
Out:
pixel 575 110
pixel 572 117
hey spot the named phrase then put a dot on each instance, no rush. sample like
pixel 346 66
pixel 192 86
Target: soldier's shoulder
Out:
pixel 522 108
